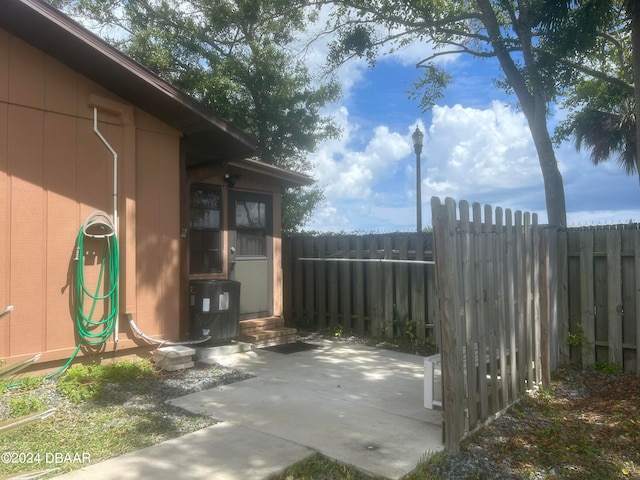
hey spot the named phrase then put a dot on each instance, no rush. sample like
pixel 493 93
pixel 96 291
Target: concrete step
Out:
pixel 267 338
pixel 220 350
pixel 248 327
pixel 222 354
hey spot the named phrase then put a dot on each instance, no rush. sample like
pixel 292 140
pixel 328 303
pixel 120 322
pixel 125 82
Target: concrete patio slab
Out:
pixel 359 405
pixel 222 452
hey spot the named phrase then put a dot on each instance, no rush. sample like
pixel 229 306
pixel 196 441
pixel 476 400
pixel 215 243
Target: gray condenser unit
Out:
pixel 214 309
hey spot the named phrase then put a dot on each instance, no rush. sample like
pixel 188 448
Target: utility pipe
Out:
pixel 6 311
pixel 377 260
pixel 115 193
pixel 140 333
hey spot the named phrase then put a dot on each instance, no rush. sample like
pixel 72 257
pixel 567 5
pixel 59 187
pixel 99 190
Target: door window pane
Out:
pixel 250 214
pixel 251 228
pixel 204 248
pixel 205 255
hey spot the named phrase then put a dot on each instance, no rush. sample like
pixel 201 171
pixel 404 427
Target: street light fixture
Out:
pixel 418 137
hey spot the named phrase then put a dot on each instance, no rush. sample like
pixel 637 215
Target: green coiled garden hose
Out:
pixel 95 332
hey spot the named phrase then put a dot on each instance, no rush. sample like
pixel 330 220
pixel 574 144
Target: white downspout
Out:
pixel 115 193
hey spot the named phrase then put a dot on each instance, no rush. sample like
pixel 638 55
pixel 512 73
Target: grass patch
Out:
pixel 317 466
pixel 24 384
pixel 428 468
pixel 25 405
pixel 89 423
pixel 85 382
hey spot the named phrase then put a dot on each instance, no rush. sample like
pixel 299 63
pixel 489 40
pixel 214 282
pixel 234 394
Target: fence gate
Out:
pixel 496 286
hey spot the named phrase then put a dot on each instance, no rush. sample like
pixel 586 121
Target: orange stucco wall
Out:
pixel 54 171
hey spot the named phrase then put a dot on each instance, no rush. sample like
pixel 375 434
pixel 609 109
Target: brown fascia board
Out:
pixel 54 33
pixel 287 178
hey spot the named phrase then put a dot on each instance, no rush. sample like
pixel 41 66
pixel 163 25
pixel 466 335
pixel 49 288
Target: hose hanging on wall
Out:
pixel 92 331
pixel 97 332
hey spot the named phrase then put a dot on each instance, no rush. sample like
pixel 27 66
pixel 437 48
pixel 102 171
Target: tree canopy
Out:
pixel 595 38
pixel 538 63
pixel 237 57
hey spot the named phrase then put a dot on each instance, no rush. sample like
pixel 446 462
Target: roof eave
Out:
pixel 54 33
pixel 286 178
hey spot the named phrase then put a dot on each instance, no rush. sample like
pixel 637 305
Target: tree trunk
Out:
pixel 553 185
pixel 530 93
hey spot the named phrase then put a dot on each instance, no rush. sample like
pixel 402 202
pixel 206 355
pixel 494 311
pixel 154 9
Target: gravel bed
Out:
pixel 151 395
pixel 171 385
pixel 144 395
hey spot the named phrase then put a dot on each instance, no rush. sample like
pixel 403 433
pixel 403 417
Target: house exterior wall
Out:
pixel 54 172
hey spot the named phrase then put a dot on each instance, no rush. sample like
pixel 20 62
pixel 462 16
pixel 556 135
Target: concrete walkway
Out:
pixel 358 405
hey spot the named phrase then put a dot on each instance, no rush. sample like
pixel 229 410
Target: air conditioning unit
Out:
pixel 214 310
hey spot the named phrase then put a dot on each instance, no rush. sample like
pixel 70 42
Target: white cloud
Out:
pixel 347 172
pixel 476 153
pixel 472 154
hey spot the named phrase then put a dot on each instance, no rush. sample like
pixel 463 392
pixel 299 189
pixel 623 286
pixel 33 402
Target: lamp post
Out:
pixel 418 136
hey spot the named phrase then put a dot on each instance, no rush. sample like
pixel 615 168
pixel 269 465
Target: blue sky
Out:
pixel 477 148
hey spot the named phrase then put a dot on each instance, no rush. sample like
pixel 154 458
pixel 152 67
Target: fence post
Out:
pixel 443 218
pixel 510 310
pixel 587 300
pixel 309 308
pixel 321 283
pixel 480 300
pixel 549 299
pixel 387 288
pixel 359 288
pixel 344 282
pixel 562 295
pixel 401 288
pixel 535 233
pixel 287 283
pixel 418 291
pixel 492 297
pixel 467 299
pixel 636 258
pixel 500 322
pixel 614 296
pixel 332 246
pixel 375 299
pixel 298 292
pixel 529 295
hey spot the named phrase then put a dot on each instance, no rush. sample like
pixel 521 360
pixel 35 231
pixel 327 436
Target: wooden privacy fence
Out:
pixel 506 300
pixel 379 285
pixel 602 305
pixel 493 314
